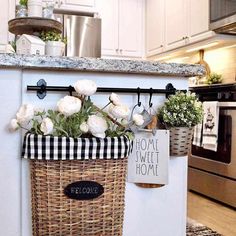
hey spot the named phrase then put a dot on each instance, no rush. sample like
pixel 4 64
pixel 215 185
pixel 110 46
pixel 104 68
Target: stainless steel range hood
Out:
pixel 223 16
pixel 225 26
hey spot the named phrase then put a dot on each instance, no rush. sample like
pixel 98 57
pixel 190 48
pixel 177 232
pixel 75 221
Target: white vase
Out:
pixel 35 8
pixel 55 48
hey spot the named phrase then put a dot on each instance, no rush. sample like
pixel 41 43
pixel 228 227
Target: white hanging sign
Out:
pixel 149 161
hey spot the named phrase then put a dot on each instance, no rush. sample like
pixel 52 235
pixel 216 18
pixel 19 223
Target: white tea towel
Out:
pixel 210 125
pixel 197 135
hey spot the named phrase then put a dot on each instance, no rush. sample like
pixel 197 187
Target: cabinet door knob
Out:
pixel 161 46
pixel 121 50
pixel 117 49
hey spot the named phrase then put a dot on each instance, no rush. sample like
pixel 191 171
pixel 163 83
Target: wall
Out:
pixel 222 61
pixel 7 13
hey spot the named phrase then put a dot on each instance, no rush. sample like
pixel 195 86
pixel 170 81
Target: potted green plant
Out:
pixel 55 44
pixel 180 113
pixel 214 78
pixel 78 160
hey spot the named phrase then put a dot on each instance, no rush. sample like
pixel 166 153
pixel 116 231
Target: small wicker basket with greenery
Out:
pixel 180 113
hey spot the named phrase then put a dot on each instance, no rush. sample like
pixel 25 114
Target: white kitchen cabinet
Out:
pixel 108 11
pixel 173 24
pixel 155 28
pixel 75 5
pixel 198 21
pixel 122 32
pixel 187 21
pixel 176 24
pixel 7 13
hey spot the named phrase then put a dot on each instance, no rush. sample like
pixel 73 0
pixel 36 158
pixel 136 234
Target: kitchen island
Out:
pixel 148 212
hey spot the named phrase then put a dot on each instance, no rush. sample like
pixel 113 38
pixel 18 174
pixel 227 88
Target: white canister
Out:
pixel 35 8
pixel 55 48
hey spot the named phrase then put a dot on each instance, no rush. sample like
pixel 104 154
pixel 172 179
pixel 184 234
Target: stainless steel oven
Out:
pixel 214 173
pixel 223 16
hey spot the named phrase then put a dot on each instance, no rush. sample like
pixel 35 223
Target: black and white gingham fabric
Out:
pixel 39 147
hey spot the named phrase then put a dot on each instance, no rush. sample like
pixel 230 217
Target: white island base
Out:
pixel 148 212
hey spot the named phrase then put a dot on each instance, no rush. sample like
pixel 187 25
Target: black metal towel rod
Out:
pixel 42 89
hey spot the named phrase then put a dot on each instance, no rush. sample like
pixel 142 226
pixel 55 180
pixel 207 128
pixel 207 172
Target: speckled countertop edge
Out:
pixel 99 65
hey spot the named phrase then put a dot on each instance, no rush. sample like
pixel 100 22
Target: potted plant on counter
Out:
pixel 180 113
pixel 55 44
pixel 78 161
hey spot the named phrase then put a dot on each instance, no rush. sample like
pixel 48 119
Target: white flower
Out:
pixel 120 111
pixel 38 110
pixel 14 125
pixel 85 87
pixel 97 126
pixel 115 99
pixel 84 127
pixel 138 119
pixel 124 122
pixel 46 126
pixel 69 105
pixel 25 114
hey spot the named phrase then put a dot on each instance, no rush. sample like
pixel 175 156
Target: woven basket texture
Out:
pixel 180 139
pixel 53 213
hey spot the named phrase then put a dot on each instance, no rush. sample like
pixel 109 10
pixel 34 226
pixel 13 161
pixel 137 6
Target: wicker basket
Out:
pixel 53 213
pixel 180 139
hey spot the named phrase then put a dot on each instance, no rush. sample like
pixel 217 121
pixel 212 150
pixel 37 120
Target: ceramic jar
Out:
pixel 21 11
pixel 35 8
pixel 55 48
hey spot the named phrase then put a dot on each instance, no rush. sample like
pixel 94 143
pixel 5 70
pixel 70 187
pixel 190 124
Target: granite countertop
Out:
pixel 99 65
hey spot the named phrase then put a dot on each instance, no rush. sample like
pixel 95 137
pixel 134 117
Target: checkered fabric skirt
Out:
pixel 39 147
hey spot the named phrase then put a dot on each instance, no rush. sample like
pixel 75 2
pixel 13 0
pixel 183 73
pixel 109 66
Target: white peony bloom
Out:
pixel 85 87
pixel 124 122
pixel 97 126
pixel 69 105
pixel 25 114
pixel 115 99
pixel 100 135
pixel 84 127
pixel 46 126
pixel 120 111
pixel 14 125
pixel 138 119
pixel 38 110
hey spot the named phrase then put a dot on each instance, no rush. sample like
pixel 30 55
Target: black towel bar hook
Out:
pixel 42 88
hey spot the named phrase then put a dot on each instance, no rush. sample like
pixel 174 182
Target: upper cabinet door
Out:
pixel 131 28
pixel 198 20
pixel 176 23
pixel 155 23
pixel 108 11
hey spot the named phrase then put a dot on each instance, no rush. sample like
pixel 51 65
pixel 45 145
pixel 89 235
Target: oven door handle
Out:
pixel 227 104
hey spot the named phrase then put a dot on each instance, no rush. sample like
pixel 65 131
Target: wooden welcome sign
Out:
pixel 149 161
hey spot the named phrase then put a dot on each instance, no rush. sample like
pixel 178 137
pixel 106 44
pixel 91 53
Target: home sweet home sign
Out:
pixel 149 161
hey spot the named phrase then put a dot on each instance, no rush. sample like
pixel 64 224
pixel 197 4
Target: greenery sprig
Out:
pixel 214 78
pixel 24 2
pixel 52 36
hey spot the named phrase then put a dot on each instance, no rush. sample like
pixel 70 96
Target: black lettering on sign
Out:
pixel 84 190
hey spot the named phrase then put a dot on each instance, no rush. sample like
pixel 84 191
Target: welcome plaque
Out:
pixel 149 161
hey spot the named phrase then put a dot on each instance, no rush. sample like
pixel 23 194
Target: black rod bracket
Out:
pixel 41 92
